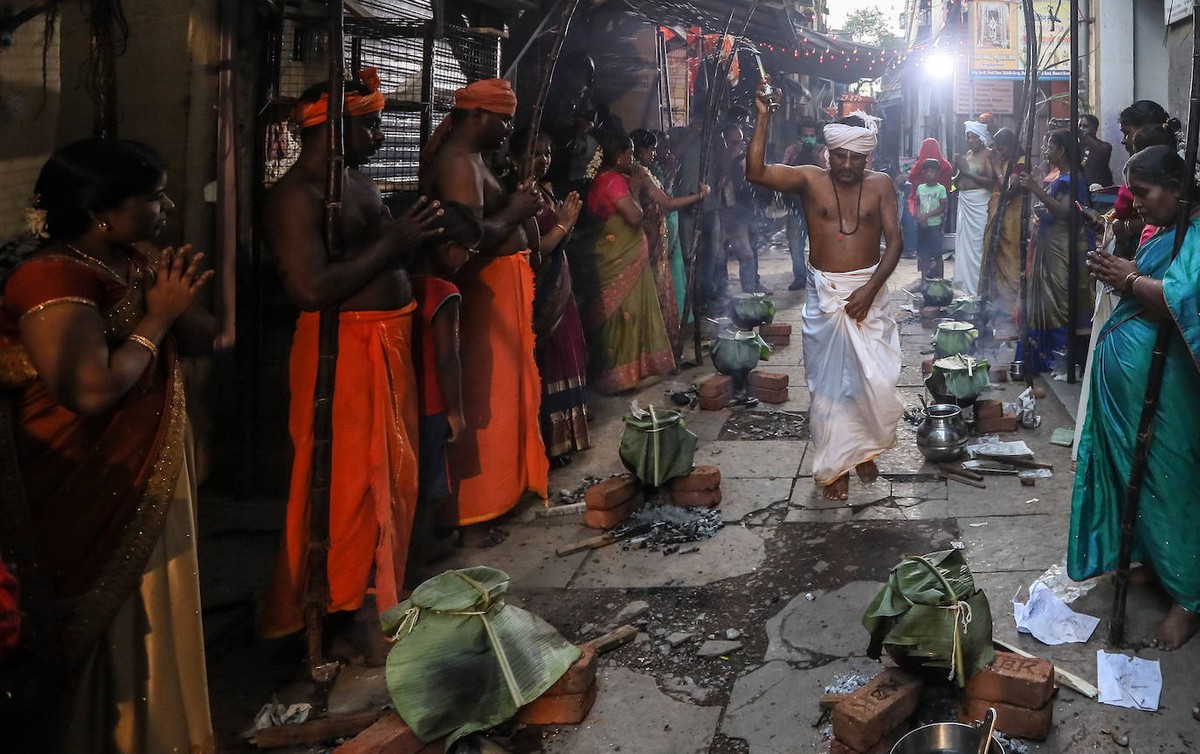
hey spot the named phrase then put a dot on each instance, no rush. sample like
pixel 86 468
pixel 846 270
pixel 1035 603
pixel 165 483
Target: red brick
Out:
pixel 768 380
pixel 988 409
pixel 607 519
pixel 884 704
pixel 701 478
pixel 931 312
pixel 992 425
pixel 883 747
pixel 777 329
pixel 559 709
pixel 389 735
pixel 770 396
pixel 998 373
pixel 718 384
pixel 716 402
pixel 777 340
pixel 1011 721
pixel 1020 681
pixel 579 677
pixel 611 492
pixel 697 499
pixel 927 367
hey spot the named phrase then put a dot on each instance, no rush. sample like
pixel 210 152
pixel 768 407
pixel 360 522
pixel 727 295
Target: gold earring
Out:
pixel 104 226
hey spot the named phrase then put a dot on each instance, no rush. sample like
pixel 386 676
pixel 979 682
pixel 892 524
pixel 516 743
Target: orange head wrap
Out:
pixel 492 95
pixel 309 114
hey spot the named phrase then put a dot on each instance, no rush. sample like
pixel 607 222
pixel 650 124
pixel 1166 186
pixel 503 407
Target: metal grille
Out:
pixel 399 44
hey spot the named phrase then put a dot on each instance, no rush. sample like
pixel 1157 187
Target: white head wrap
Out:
pixel 854 138
pixel 980 130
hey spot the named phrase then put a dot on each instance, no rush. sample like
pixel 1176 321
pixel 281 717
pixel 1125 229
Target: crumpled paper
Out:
pixel 1049 620
pixel 1128 681
pixel 272 715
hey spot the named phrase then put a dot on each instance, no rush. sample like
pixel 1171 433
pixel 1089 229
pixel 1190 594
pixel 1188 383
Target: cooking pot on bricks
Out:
pixel 751 310
pixel 946 738
pixel 953 338
pixel 736 352
pixel 943 435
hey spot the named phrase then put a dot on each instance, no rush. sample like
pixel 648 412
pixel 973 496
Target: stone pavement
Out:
pixel 786 581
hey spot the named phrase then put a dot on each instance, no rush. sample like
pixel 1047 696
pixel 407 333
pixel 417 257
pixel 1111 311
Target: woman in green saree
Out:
pixel 622 318
pixel 1153 289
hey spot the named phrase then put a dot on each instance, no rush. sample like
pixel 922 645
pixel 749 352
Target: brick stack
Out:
pixel 699 489
pixel 991 418
pixel 716 392
pixel 769 387
pixel 873 718
pixel 611 501
pixel 930 316
pixel 571 697
pixel 776 334
pixel 997 373
pixel 1019 689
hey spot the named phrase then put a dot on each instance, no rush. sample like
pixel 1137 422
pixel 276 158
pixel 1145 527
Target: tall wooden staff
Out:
pixel 712 105
pixel 539 104
pixel 1158 361
pixel 316 585
pixel 1031 98
pixel 1073 271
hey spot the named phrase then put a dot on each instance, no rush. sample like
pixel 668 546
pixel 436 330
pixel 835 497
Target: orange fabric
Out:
pixel 493 95
pixel 374 481
pixel 500 455
pixel 309 114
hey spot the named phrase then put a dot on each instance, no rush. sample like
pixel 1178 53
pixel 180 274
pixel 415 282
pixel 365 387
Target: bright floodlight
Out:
pixel 939 64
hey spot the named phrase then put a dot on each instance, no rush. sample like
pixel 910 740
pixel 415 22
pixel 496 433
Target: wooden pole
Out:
pixel 1031 98
pixel 1073 229
pixel 712 105
pixel 539 104
pixel 316 586
pixel 1158 361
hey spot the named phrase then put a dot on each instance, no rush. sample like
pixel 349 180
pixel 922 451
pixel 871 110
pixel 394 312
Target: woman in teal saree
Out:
pixel 1153 288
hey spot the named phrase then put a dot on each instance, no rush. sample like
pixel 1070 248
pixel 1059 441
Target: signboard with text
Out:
pixel 983 96
pixel 998 39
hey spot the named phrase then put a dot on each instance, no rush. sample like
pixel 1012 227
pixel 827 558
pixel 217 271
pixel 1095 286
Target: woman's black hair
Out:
pixel 642 138
pixel 1145 112
pixel 1159 165
pixel 1155 135
pixel 612 143
pixel 1005 135
pixel 93 175
pixel 1062 138
pixel 519 141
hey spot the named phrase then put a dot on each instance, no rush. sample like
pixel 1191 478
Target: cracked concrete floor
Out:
pixel 791 574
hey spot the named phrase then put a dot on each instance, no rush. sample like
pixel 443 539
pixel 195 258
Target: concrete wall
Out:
pixel 29 113
pixel 1179 52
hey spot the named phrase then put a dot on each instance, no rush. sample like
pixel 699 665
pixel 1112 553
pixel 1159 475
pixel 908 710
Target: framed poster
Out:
pixel 1176 10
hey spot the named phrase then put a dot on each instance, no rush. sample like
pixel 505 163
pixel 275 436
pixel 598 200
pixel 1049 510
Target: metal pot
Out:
pixel 945 738
pixel 943 435
pixel 735 352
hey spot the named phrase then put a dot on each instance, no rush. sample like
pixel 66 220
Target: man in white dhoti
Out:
pixel 974 180
pixel 851 344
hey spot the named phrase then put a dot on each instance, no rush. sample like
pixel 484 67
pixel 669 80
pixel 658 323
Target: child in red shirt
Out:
pixel 439 369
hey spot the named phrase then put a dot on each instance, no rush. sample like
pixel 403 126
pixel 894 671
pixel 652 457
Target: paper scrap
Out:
pixel 995 447
pixel 1049 619
pixel 1128 681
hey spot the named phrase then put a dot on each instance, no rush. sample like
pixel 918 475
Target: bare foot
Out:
pixel 867 472
pixel 1143 575
pixel 838 489
pixel 480 536
pixel 1176 629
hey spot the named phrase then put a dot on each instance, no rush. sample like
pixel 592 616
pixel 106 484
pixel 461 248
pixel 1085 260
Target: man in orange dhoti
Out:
pixel 500 455
pixel 374 475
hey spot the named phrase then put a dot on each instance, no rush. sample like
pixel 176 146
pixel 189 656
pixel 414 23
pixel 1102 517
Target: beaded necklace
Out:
pixel 842 232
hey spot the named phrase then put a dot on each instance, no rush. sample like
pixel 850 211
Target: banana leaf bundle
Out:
pixel 464 660
pixel 930 615
pixel 937 292
pixel 656 445
pixel 958 378
pixel 751 310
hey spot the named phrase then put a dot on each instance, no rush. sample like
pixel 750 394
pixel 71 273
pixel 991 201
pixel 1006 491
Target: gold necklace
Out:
pixel 94 260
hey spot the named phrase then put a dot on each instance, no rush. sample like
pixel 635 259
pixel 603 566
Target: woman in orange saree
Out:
pixel 96 467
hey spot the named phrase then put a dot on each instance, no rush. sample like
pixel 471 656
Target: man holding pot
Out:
pixel 851 343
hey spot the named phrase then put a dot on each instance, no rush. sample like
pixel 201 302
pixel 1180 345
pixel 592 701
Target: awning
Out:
pixel 786 45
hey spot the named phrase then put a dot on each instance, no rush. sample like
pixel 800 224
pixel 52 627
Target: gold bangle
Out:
pixel 561 227
pixel 146 343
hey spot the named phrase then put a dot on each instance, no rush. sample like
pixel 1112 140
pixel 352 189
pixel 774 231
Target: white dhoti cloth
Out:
pixel 852 370
pixel 968 239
